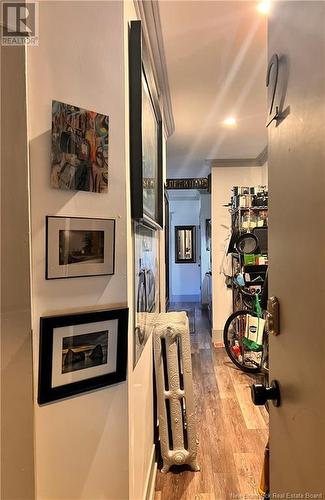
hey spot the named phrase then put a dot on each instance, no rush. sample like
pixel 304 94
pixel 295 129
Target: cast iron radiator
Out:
pixel 176 412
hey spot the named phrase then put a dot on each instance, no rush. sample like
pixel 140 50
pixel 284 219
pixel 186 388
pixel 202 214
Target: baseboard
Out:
pixel 151 477
pixel 217 336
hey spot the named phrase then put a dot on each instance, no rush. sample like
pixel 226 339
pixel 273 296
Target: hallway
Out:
pixel 232 432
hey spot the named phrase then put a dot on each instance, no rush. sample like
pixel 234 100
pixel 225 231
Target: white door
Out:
pixel 297 250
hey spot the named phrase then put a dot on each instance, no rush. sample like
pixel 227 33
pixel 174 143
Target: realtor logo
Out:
pixel 19 24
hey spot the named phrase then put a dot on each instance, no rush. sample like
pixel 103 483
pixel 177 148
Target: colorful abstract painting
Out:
pixel 79 149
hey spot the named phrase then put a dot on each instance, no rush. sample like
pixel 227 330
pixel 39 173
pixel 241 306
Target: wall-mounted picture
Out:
pixel 79 149
pixel 81 352
pixel 77 246
pixel 146 286
pixel 84 351
pixel 185 244
pixel 145 137
pixel 208 234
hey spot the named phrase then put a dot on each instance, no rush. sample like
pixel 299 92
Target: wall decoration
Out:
pixel 79 149
pixel 185 245
pixel 208 234
pixel 81 352
pixel 188 183
pixel 146 285
pixel 77 246
pixel 145 137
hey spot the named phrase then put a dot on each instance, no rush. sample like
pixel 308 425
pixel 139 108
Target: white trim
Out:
pixel 148 12
pixel 259 161
pixel 217 336
pixel 151 476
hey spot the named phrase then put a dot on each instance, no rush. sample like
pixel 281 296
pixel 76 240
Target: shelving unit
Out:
pixel 245 219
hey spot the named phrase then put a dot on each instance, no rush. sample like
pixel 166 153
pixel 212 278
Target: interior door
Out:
pixel 297 248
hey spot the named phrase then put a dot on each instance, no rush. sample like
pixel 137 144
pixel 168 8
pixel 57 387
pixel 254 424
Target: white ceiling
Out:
pixel 216 62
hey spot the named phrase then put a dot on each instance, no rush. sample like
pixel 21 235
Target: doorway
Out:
pixel 189 247
pixel 232 432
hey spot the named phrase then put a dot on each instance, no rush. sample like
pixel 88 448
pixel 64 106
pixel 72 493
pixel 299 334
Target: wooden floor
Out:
pixel 232 432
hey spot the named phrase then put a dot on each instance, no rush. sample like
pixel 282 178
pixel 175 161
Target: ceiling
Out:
pixel 216 63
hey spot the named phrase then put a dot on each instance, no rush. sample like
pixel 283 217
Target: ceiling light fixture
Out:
pixel 230 121
pixel 264 7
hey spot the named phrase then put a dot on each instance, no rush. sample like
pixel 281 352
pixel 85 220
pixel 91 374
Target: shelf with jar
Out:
pixel 249 208
pixel 249 214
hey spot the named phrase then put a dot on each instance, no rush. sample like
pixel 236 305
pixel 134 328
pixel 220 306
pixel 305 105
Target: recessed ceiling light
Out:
pixel 230 121
pixel 264 7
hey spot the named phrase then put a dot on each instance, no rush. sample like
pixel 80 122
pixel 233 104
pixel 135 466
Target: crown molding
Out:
pixel 262 157
pixel 148 12
pixel 259 161
pixel 182 195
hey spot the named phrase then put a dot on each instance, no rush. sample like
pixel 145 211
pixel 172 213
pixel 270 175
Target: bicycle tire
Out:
pixel 229 351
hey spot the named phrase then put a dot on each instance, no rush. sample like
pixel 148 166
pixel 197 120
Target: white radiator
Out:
pixel 176 412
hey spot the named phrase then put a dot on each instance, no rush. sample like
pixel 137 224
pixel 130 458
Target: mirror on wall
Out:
pixel 208 234
pixel 185 244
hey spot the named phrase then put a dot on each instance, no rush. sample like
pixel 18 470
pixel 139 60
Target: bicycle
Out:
pixel 245 333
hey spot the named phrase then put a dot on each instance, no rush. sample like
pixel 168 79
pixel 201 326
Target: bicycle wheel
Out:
pixel 233 334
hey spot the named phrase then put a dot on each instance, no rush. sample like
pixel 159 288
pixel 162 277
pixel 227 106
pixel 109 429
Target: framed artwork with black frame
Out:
pixel 145 135
pixel 185 244
pixel 79 246
pixel 81 352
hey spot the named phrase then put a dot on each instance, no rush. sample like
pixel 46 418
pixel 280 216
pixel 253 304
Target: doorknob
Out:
pixel 261 393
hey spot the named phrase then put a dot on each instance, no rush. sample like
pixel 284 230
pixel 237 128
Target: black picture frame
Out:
pixel 52 268
pixel 191 260
pixel 47 393
pixel 140 72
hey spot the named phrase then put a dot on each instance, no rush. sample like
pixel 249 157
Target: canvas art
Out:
pixel 79 149
pixel 146 286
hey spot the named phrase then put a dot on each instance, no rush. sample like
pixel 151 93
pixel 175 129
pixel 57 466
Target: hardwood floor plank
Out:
pixel 251 414
pixel 249 466
pixel 226 486
pixel 232 432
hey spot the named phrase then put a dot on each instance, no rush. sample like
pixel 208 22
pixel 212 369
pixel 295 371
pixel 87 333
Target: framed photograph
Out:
pixel 79 149
pixel 77 246
pixel 81 352
pixel 145 137
pixel 146 285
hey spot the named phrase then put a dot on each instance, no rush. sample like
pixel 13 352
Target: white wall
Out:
pixel 184 278
pixel 223 179
pixel 81 443
pixel 205 213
